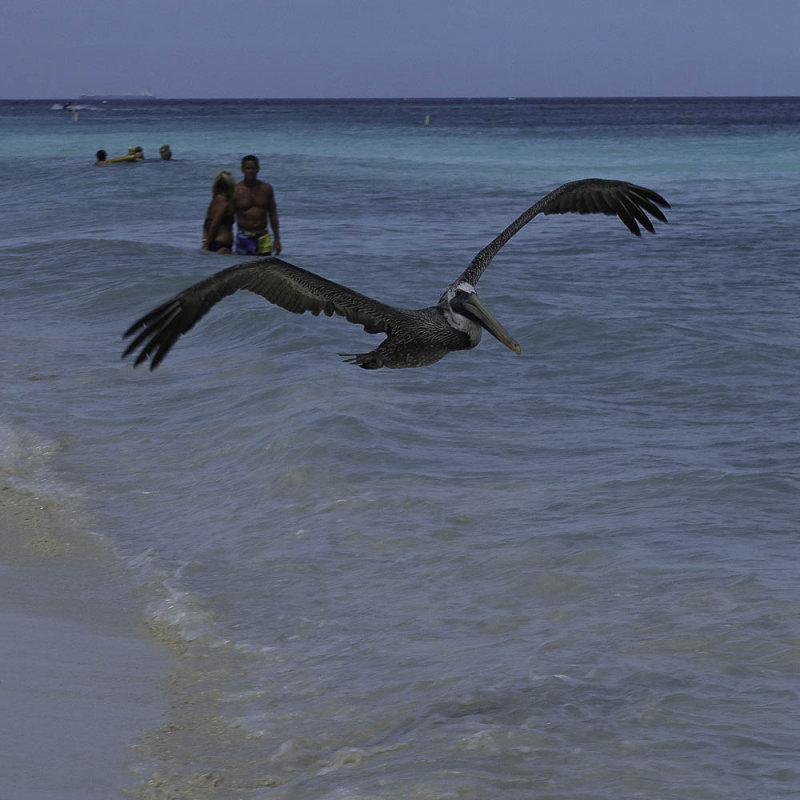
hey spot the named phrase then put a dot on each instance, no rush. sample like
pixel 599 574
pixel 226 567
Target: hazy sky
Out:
pixel 387 48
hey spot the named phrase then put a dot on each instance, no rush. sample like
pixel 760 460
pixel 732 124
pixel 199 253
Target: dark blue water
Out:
pixel 566 574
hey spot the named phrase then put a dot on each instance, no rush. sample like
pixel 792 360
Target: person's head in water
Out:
pixel 166 152
pixel 101 156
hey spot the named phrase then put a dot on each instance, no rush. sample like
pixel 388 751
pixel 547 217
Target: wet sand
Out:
pixel 80 677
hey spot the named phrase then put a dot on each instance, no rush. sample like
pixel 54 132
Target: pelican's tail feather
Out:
pixel 363 360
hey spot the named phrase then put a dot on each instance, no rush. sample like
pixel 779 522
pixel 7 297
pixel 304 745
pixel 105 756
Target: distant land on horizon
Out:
pixel 145 96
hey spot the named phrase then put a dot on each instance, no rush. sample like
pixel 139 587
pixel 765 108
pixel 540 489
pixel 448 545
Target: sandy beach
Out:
pixel 80 678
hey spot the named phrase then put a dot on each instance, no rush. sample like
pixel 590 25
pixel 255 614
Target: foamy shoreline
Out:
pixel 80 678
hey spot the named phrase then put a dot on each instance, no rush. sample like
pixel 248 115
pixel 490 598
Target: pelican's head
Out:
pixel 466 312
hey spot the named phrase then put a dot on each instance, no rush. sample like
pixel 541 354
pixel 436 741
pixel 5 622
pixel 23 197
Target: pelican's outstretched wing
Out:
pixel 631 203
pixel 295 289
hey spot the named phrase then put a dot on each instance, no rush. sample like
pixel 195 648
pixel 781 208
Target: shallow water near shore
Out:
pixel 566 574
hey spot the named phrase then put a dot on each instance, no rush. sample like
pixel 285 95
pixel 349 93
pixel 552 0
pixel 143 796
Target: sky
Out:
pixel 386 48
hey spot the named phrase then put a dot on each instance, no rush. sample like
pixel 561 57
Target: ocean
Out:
pixel 567 574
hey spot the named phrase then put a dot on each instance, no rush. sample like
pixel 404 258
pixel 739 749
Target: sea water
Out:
pixel 567 574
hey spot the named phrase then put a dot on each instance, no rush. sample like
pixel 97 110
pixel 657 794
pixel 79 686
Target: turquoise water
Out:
pixel 566 574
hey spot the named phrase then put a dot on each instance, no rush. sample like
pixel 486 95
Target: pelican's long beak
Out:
pixel 476 307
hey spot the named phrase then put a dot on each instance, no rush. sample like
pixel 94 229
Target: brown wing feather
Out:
pixel 290 287
pixel 631 203
pixel 598 195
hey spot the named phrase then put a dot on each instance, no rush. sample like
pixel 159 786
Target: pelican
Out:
pixel 414 338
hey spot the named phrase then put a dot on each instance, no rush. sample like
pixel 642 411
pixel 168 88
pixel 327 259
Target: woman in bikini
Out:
pixel 218 225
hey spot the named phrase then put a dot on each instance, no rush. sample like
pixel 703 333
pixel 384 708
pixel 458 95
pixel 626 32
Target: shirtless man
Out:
pixel 254 202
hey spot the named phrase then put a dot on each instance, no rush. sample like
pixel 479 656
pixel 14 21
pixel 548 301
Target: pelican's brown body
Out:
pixel 414 338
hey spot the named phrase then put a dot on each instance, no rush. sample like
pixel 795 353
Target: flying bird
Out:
pixel 414 338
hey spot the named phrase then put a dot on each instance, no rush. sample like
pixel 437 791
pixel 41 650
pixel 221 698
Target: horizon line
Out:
pixel 149 98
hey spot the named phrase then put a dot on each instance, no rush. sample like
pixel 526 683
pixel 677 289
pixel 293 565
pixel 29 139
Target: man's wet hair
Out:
pixel 251 158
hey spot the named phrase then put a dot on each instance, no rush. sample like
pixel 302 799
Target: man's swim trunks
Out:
pixel 253 243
